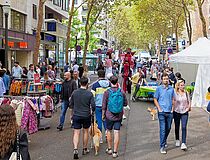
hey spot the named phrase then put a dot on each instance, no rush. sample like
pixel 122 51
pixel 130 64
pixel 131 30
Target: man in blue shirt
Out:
pixel 163 99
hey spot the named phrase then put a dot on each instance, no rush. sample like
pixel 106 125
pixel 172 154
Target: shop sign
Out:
pixel 10 44
pixel 50 38
pixel 23 45
pixel 36 78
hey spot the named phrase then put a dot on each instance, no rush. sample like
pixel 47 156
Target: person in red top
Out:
pixel 126 74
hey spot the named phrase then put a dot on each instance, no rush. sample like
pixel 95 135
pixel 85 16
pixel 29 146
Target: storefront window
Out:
pixel 17 21
pixel 1 17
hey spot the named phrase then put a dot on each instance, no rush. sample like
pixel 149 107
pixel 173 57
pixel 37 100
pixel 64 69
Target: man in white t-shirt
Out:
pixel 75 67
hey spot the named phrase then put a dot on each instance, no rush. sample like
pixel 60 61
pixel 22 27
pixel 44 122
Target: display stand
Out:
pixel 43 123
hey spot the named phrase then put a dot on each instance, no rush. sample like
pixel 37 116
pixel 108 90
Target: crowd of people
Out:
pixel 106 102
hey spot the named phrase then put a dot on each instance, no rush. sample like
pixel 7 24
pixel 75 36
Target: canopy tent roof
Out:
pixel 197 53
pixel 145 54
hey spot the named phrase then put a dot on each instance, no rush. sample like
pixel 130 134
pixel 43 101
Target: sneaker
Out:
pixel 85 151
pixel 166 145
pixel 134 99
pixel 60 127
pixel 115 155
pixel 101 140
pixel 127 108
pixel 109 151
pixel 177 143
pixel 124 117
pixel 183 146
pixel 163 151
pixel 76 154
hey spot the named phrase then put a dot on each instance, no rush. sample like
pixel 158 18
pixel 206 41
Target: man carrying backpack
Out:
pixel 113 101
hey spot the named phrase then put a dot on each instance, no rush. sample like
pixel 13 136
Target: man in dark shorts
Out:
pixel 113 119
pixel 83 105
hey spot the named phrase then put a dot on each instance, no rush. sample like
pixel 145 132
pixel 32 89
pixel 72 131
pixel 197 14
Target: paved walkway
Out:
pixel 143 136
pixel 139 139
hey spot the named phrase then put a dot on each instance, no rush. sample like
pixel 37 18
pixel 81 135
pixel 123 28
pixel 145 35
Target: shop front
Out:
pixel 21 47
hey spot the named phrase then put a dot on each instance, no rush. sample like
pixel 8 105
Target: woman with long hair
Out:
pixel 181 109
pixel 8 134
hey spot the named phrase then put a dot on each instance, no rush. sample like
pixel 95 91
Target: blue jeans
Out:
pixel 184 119
pixel 99 118
pixel 64 107
pixel 165 121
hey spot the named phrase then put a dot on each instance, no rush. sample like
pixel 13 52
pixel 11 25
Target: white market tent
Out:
pixel 145 55
pixel 197 53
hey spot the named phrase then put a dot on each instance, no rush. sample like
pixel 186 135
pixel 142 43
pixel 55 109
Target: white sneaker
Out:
pixel 163 151
pixel 124 117
pixel 177 143
pixel 109 151
pixel 127 108
pixel 183 146
pixel 114 154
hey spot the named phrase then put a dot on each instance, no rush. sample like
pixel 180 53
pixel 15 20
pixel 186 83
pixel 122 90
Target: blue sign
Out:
pixel 50 38
pixel 170 50
pixel 183 42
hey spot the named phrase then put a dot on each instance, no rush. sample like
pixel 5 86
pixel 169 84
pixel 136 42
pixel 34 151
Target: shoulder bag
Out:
pixel 16 155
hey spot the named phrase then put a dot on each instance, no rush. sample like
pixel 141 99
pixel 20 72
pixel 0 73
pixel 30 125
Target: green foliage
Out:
pixel 135 23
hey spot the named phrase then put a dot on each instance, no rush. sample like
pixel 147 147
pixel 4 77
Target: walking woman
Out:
pixel 181 110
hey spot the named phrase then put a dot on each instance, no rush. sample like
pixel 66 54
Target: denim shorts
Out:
pixel 113 124
pixel 81 122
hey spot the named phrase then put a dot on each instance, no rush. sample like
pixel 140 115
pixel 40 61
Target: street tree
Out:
pixel 95 8
pixel 38 30
pixel 68 34
pixel 202 18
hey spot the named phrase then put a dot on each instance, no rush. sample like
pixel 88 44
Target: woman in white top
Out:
pixel 181 109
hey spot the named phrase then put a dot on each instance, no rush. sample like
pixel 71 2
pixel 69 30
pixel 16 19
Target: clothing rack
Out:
pixel 43 124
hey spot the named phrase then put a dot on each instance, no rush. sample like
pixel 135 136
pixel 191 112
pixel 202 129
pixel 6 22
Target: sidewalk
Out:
pixel 143 136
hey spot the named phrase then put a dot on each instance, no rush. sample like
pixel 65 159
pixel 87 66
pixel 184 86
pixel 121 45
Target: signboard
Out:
pixel 99 51
pixel 36 78
pixel 23 45
pixel 170 51
pixel 78 48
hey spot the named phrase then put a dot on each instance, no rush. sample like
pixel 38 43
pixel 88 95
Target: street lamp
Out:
pixel 6 10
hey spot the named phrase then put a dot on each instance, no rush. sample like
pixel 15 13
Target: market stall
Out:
pixel 197 53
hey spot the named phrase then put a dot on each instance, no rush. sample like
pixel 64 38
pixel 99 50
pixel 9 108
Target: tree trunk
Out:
pixel 87 32
pixel 187 22
pixel 38 31
pixel 68 34
pixel 202 18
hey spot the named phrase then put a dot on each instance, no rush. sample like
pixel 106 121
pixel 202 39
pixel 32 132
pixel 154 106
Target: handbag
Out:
pixel 16 155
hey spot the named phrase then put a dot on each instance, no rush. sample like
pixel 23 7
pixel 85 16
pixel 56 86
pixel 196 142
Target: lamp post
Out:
pixel 6 9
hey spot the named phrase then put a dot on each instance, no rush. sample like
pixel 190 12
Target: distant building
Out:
pixel 22 30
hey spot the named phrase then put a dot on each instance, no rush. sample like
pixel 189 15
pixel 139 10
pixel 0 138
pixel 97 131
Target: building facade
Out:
pixel 22 23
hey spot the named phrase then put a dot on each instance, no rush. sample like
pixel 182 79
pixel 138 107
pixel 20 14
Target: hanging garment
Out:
pixel 29 118
pixel 18 106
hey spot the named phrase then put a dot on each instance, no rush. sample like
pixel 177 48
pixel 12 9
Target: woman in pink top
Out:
pixel 181 109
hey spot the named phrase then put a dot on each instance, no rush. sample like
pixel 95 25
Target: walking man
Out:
pixel 83 104
pixel 164 100
pixel 113 101
pixel 68 86
pixel 98 90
